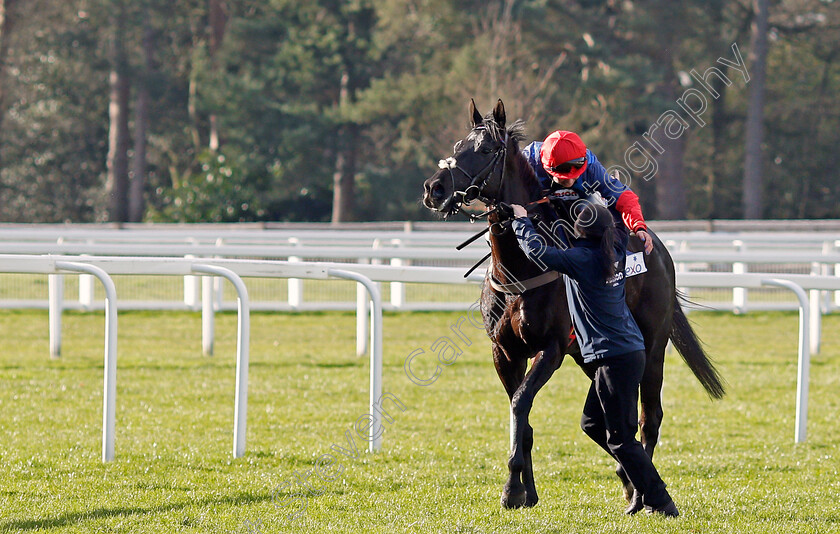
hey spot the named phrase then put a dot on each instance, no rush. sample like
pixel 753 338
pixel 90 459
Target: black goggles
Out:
pixel 565 168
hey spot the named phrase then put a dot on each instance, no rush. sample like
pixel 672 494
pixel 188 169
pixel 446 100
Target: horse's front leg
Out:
pixel 512 374
pixel 520 489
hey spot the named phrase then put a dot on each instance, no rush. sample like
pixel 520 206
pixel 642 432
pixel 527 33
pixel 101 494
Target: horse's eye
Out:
pixel 486 150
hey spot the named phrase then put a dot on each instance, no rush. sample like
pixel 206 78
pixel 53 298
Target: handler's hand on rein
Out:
pixel 646 240
pixel 518 211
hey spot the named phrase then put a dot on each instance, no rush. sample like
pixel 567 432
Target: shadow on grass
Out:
pixel 78 517
pixel 338 365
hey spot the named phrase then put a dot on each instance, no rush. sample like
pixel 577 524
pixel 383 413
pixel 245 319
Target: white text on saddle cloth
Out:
pixel 635 264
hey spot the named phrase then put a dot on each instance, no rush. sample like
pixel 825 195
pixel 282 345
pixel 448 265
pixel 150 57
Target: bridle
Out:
pixel 478 182
pixel 476 191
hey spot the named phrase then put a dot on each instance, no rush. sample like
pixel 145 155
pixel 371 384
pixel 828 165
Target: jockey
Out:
pixel 563 164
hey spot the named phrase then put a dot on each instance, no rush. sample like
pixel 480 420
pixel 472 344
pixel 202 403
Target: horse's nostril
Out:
pixel 437 191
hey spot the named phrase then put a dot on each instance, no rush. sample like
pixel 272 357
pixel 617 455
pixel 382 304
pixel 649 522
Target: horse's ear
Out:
pixel 475 116
pixel 499 114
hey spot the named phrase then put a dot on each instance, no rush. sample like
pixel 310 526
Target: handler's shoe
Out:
pixel 667 510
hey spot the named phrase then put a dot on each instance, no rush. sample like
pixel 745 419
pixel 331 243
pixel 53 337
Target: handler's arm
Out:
pixel 538 251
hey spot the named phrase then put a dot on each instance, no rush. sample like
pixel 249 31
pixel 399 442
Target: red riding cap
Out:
pixel 562 147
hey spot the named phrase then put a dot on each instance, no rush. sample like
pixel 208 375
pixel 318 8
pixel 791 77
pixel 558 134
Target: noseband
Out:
pixel 479 181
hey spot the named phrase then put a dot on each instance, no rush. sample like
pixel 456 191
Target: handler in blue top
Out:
pixel 609 340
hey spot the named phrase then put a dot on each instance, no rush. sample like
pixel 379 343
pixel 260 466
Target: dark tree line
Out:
pixel 223 110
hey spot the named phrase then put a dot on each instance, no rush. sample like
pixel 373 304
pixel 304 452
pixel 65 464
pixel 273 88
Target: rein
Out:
pixel 502 208
pixel 515 288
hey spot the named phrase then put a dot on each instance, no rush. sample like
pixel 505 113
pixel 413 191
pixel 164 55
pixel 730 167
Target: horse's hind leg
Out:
pixel 651 398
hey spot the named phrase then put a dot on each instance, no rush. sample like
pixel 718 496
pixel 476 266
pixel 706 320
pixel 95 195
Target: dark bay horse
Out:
pixel 524 308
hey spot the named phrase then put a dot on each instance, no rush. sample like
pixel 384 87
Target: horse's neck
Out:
pixel 509 263
pixel 519 185
pixel 516 189
pixel 508 259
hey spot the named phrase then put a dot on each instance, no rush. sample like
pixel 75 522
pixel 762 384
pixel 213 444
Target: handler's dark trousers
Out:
pixel 610 418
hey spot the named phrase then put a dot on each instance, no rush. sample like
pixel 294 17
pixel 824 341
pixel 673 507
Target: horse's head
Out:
pixel 476 168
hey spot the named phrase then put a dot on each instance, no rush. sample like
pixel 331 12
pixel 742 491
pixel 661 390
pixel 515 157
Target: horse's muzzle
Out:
pixel 434 192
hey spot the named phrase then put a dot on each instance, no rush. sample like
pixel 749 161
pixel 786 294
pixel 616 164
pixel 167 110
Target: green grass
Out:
pixel 171 288
pixel 730 465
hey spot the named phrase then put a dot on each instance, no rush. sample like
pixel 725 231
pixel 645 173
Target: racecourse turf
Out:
pixel 731 465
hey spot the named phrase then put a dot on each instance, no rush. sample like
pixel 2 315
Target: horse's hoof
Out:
pixel 531 500
pixel 636 504
pixel 633 509
pixel 514 499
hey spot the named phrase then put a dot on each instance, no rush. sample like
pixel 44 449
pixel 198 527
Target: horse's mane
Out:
pixel 516 135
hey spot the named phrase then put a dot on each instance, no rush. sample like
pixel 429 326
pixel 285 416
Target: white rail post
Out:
pixel 825 270
pixel 208 315
pixel 243 341
pixel 55 291
pixel 55 283
pixel 804 359
pixel 86 293
pixel 109 387
pixel 681 267
pixel 362 312
pixel 815 299
pixel 218 283
pixel 295 296
pixel 837 273
pixel 398 288
pixel 739 294
pixel 375 431
pixel 191 288
pixel 377 245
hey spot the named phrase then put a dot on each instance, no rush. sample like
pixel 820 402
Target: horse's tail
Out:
pixel 690 348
